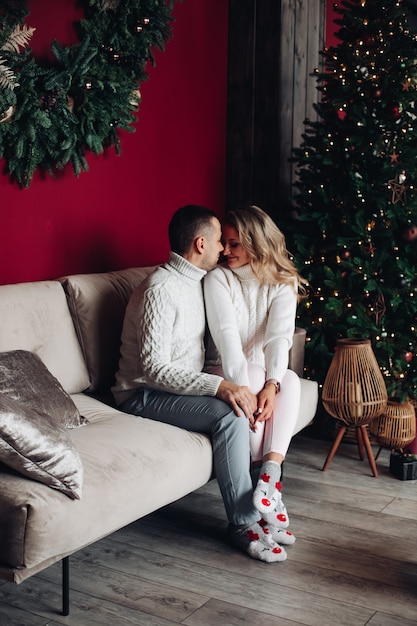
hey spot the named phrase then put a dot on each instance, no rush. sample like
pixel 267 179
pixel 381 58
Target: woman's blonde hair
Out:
pixel 265 244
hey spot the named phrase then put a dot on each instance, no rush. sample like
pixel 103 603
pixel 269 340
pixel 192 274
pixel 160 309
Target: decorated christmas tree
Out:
pixel 353 221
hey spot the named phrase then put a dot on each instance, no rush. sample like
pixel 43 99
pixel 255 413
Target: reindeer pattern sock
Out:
pixel 256 542
pixel 279 535
pixel 267 498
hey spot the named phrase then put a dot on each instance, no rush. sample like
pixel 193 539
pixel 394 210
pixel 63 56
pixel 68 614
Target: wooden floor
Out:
pixel 354 561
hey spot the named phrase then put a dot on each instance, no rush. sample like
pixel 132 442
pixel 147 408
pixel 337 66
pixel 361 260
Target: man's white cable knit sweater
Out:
pixel 163 334
pixel 249 322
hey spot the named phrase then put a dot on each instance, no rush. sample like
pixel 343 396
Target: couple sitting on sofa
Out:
pixel 249 404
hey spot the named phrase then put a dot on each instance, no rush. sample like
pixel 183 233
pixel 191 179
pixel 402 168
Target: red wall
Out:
pixel 116 215
pixel 331 27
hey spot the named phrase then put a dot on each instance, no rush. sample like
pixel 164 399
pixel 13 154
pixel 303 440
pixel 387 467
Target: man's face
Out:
pixel 213 246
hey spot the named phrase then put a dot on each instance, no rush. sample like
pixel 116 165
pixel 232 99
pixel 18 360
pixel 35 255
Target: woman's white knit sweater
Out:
pixel 163 334
pixel 249 322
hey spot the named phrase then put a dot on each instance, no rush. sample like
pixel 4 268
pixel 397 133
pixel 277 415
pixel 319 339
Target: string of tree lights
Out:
pixel 52 114
pixel 354 217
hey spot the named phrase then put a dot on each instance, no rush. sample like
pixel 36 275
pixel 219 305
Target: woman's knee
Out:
pixel 291 380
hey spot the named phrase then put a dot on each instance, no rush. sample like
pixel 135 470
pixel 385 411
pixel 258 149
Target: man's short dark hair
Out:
pixel 186 224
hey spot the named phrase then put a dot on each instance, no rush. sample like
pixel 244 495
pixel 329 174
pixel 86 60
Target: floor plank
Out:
pixel 226 613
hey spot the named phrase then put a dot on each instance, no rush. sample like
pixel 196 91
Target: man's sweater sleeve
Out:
pixel 155 340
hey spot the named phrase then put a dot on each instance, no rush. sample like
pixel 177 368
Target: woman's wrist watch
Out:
pixel 274 382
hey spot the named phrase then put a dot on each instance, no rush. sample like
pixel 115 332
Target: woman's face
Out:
pixel 235 254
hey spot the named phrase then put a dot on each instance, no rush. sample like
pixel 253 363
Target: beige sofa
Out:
pixel 74 325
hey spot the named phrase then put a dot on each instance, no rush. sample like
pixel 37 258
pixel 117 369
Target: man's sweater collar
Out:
pixel 179 265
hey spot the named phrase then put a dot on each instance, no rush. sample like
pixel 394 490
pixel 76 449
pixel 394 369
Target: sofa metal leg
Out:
pixel 65 585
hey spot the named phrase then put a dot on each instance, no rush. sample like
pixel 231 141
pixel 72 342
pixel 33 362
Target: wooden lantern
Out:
pixel 354 392
pixel 396 427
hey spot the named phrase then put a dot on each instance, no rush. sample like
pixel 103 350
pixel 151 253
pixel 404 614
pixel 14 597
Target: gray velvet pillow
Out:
pixel 25 378
pixel 33 444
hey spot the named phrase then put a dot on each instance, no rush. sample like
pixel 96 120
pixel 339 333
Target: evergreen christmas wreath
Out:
pixel 53 114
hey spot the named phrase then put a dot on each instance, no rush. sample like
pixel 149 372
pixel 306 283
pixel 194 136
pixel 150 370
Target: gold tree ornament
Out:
pixel 398 188
pixel 379 308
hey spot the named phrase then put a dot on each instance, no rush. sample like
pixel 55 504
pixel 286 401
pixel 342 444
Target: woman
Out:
pixel 251 302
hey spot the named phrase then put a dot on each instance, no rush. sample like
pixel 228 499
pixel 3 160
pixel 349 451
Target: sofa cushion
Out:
pixel 35 317
pixel 25 378
pixel 132 466
pixel 97 303
pixel 33 444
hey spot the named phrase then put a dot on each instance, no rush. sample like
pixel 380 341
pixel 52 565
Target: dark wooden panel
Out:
pixel 288 97
pixel 266 157
pixel 273 50
pixel 240 102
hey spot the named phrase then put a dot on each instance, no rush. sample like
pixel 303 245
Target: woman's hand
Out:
pixel 266 403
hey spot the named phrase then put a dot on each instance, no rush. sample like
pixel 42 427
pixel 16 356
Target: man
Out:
pixel 160 372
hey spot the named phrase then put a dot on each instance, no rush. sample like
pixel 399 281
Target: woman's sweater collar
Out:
pixel 244 272
pixel 181 266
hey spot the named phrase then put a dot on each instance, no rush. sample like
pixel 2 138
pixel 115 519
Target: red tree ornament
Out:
pixel 395 111
pixel 410 233
pixel 408 356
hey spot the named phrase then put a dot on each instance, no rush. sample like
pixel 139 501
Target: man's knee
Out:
pixel 232 422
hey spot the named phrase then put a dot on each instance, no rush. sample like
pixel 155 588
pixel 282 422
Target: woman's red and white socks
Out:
pixel 278 517
pixel 266 491
pixel 279 535
pixel 257 542
pixel 267 497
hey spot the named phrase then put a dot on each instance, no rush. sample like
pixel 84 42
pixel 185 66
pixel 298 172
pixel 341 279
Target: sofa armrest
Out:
pixel 296 356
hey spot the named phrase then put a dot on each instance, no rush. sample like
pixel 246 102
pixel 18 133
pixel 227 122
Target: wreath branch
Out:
pixel 7 77
pixel 109 4
pixel 72 64
pixel 19 37
pixel 52 115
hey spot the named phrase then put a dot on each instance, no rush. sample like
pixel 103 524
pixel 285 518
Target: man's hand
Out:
pixel 241 399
